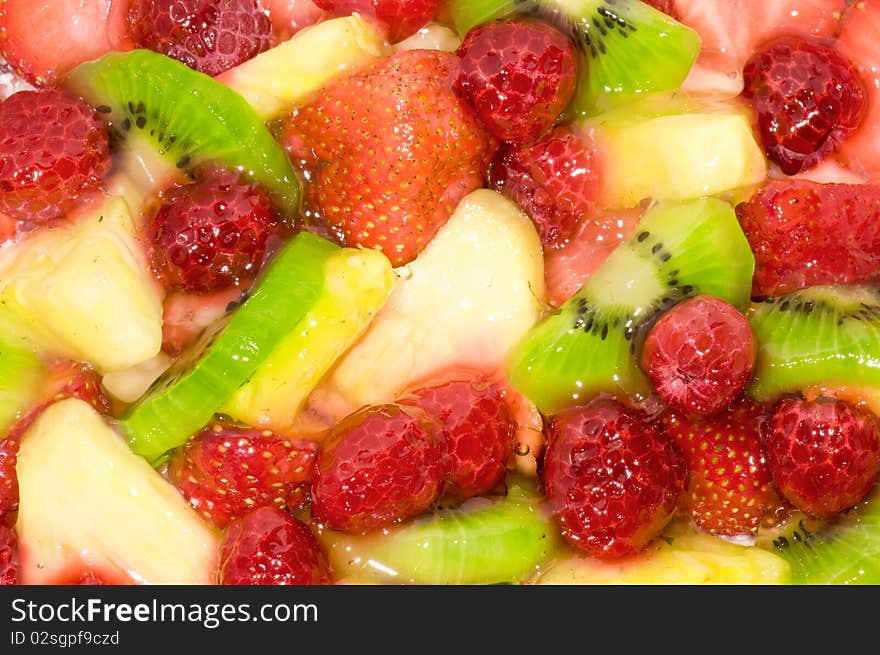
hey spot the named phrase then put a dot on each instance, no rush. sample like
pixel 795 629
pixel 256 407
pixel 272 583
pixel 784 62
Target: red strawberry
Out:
pixel 211 234
pixel 53 150
pixel 44 39
pixel 226 471
pixel 402 17
pixel 185 316
pixel 807 99
pixel 9 565
pixel 378 466
pixel 824 453
pixel 210 36
pixel 859 43
pixel 518 75
pixel 390 171
pixel 290 16
pixel 555 180
pixel 613 480
pixel 477 431
pixel 805 234
pixel 699 355
pixel 730 488
pixel 270 547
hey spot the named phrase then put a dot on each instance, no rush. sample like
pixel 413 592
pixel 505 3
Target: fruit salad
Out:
pixel 439 292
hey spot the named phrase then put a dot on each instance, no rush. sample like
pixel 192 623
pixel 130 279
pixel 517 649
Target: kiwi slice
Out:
pixel 820 336
pixel 628 48
pixel 482 542
pixel 589 345
pixel 845 552
pixel 150 100
pixel 22 373
pixel 185 398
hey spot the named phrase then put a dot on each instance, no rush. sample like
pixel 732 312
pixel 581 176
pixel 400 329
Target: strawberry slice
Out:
pixel 43 39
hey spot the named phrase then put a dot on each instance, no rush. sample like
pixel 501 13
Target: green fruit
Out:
pixel 356 285
pixel 589 345
pixel 152 101
pixel 186 396
pixel 629 49
pixel 823 336
pixel 483 542
pixel 22 373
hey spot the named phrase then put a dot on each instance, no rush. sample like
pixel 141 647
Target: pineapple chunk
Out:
pixel 283 76
pixel 85 291
pixel 87 501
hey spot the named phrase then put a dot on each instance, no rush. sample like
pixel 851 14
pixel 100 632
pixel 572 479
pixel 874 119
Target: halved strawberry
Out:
pixel 290 16
pixel 43 39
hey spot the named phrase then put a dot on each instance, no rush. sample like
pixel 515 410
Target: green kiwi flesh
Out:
pixel 629 49
pixel 482 542
pixel 22 373
pixel 590 344
pixel 186 397
pixel 820 336
pixel 149 100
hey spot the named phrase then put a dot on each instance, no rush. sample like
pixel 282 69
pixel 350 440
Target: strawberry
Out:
pixel 53 150
pixel 211 234
pixel 225 471
pixel 186 315
pixel 9 565
pixel 666 6
pixel 270 547
pixel 517 75
pixel 699 355
pixel 730 488
pixel 612 479
pixel 44 39
pixel 824 453
pixel 805 234
pixel 390 172
pixel 554 179
pixel 210 36
pixel 376 467
pixel 403 18
pixel 806 98
pixel 290 16
pixel 858 42
pixel 477 431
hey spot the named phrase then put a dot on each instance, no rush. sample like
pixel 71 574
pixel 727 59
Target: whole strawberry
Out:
pixel 53 150
pixel 699 355
pixel 271 547
pixel 378 466
pixel 211 234
pixel 210 36
pixel 403 18
pixel 389 172
pixel 806 234
pixel 518 75
pixel 9 564
pixel 554 179
pixel 807 100
pixel 613 480
pixel 477 431
pixel 824 453
pixel 226 471
pixel 730 488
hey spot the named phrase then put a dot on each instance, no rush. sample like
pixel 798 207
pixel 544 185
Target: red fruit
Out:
pixel 613 479
pixel 378 466
pixel 53 149
pixel 211 234
pixel 699 355
pixel 730 488
pixel 402 17
pixel 807 99
pixel 824 453
pixel 805 234
pixel 210 36
pixel 186 316
pixel 477 431
pixel 290 16
pixel 390 172
pixel 44 39
pixel 270 547
pixel 226 471
pixel 666 6
pixel 518 76
pixel 9 565
pixel 555 180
